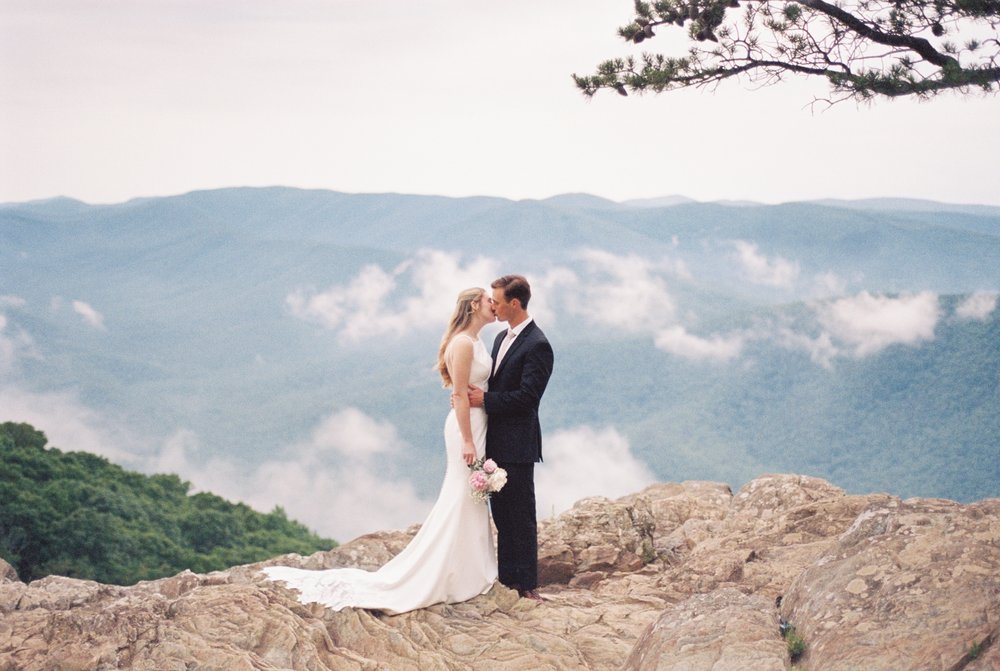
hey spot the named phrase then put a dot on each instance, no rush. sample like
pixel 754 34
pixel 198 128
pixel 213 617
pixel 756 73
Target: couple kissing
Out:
pixel 495 396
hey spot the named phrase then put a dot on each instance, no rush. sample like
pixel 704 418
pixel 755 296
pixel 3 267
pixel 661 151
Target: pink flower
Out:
pixel 489 466
pixel 479 481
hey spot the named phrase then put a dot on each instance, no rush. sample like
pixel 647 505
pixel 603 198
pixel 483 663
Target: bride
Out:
pixel 451 558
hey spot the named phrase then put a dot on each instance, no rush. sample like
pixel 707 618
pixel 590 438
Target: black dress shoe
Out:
pixel 530 594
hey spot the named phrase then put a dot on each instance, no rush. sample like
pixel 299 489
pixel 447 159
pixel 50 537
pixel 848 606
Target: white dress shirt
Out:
pixel 512 335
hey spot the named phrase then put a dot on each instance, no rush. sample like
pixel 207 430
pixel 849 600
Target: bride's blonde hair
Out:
pixel 465 307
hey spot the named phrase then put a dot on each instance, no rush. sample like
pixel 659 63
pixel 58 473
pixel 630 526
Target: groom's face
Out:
pixel 501 308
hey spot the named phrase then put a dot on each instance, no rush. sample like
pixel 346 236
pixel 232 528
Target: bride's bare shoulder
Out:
pixel 461 342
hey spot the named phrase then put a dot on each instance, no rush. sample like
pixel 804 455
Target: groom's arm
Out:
pixel 534 378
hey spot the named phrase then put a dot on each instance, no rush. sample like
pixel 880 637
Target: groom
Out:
pixel 522 364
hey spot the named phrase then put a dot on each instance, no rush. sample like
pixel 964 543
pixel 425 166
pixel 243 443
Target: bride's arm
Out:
pixel 460 367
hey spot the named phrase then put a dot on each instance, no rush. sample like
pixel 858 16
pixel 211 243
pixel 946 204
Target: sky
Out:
pixel 107 100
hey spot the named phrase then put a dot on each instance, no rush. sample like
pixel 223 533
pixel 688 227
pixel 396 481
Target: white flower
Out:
pixel 498 479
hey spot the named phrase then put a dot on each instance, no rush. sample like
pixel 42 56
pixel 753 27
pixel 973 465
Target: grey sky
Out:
pixel 108 100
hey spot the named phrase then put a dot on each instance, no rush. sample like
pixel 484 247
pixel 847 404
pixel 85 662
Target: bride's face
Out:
pixel 484 310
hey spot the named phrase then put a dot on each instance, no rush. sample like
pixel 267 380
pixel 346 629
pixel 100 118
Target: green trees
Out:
pixel 864 48
pixel 78 515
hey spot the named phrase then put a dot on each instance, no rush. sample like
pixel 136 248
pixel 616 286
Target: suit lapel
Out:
pixel 496 350
pixel 513 346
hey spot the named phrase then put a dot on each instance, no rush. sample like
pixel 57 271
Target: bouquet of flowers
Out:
pixel 486 478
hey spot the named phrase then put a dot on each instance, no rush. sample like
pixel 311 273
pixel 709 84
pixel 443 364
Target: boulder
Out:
pixel 7 573
pixel 917 579
pixel 725 630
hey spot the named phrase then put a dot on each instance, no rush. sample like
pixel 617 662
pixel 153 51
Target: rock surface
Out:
pixel 678 576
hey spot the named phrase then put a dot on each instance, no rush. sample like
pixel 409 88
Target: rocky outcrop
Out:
pixel 724 630
pixel 917 578
pixel 678 576
pixel 7 572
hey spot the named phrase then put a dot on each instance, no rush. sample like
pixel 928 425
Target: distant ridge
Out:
pixel 738 203
pixel 57 207
pixel 907 205
pixel 662 201
pixel 67 206
pixel 580 200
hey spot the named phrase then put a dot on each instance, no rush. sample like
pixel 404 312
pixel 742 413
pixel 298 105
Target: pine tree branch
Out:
pixel 863 48
pixel 917 44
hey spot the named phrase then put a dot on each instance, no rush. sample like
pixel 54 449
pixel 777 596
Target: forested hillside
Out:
pixel 76 514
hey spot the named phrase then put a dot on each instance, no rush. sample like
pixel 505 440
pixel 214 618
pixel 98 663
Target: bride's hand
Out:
pixel 469 453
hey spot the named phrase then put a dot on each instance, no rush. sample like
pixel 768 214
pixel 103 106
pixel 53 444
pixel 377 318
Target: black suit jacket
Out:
pixel 513 433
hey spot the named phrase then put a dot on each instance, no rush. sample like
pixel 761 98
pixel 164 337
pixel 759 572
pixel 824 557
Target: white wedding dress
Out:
pixel 451 558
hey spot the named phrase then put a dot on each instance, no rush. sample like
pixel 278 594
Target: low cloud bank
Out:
pixel 760 269
pixel 978 306
pixel 676 340
pixel 869 323
pixel 586 461
pixel 379 303
pixel 91 316
pixel 336 483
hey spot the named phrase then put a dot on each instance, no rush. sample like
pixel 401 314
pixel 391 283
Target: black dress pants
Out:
pixel 513 509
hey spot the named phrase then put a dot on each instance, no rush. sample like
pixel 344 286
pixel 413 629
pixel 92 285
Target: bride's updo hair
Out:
pixel 465 307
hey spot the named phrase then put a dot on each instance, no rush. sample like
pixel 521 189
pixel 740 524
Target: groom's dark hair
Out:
pixel 514 286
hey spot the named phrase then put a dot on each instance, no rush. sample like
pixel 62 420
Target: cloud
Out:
pixel 759 269
pixel 89 314
pixel 324 482
pixel 336 308
pixel 677 268
pixel 9 301
pixel 352 433
pixel 676 340
pixel 7 346
pixel 173 456
pixel 14 344
pixel 341 503
pixel 979 306
pixel 68 424
pixel 821 349
pixel 623 292
pixel 382 303
pixel 871 323
pixel 583 462
pixel 555 290
pixel 829 284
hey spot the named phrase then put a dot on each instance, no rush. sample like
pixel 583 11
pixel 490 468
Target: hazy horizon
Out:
pixel 664 200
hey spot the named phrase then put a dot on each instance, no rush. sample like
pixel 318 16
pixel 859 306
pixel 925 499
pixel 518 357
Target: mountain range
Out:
pixel 276 345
